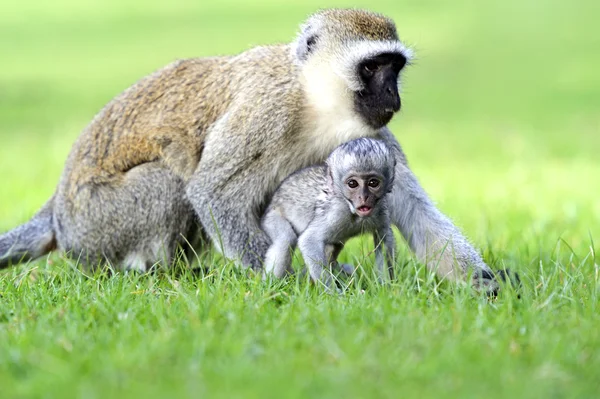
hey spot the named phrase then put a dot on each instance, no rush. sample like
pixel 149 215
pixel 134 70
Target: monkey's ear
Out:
pixel 306 41
pixel 330 187
pixel 311 43
pixel 305 45
pixel 392 177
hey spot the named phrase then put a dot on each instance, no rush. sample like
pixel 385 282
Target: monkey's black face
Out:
pixel 379 99
pixel 363 191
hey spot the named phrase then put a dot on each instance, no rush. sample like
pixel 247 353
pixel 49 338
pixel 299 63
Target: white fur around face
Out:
pixel 330 116
pixel 329 85
pixel 352 53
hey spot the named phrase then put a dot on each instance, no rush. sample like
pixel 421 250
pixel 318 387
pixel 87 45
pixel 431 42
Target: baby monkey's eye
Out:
pixel 352 183
pixel 373 183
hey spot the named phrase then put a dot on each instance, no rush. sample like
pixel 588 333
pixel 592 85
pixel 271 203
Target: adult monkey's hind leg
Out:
pixel 134 223
pixel 228 187
pixel 431 235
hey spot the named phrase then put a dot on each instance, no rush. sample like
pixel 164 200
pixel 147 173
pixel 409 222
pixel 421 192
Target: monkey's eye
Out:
pixel 373 183
pixel 352 183
pixel 370 68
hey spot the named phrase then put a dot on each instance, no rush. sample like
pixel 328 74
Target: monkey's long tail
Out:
pixel 30 240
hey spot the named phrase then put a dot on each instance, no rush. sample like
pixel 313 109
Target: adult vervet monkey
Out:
pixel 208 140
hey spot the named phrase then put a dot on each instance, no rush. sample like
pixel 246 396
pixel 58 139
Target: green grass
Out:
pixel 500 123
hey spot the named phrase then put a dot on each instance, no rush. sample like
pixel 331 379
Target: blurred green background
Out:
pixel 501 117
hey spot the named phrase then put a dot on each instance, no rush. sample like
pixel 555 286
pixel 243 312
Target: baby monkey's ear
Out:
pixel 391 176
pixel 330 186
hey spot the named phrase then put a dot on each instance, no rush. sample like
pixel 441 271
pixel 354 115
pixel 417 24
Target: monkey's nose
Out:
pixel 391 98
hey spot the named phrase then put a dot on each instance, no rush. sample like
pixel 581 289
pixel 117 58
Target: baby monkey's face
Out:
pixel 363 191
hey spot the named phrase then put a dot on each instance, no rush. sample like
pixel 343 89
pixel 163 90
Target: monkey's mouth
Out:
pixel 364 210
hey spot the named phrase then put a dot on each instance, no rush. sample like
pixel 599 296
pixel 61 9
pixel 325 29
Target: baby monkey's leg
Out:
pixel 278 259
pixel 313 248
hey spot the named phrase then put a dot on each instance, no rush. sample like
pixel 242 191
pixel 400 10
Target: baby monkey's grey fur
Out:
pixel 319 208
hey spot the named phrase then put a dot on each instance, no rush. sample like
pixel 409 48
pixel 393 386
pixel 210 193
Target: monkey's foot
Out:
pixel 491 283
pixel 346 268
pixel 343 268
pixel 286 273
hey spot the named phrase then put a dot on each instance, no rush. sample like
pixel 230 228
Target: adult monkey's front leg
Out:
pixel 431 235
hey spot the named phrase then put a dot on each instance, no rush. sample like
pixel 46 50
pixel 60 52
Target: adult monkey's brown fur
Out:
pixel 208 140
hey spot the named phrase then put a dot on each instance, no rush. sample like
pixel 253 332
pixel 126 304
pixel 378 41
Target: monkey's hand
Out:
pixel 432 236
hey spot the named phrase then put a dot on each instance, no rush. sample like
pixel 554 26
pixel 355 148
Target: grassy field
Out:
pixel 502 125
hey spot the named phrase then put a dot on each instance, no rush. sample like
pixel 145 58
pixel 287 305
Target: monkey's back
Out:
pixel 298 196
pixel 164 117
pixel 138 124
pixel 123 194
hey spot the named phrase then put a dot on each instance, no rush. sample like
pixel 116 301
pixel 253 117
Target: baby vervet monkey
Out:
pixel 320 207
